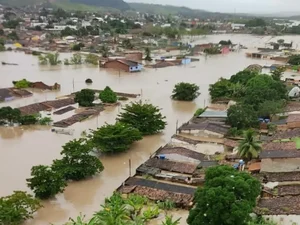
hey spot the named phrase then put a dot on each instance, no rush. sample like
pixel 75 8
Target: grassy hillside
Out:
pixel 117 4
pixel 68 6
pixel 20 3
pixel 174 10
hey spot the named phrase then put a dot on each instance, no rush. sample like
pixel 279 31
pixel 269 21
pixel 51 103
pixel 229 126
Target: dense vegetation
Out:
pixel 118 4
pixel 227 197
pixel 9 115
pixel 18 207
pixel 257 95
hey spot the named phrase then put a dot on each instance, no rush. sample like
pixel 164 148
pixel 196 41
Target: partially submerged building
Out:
pixel 123 64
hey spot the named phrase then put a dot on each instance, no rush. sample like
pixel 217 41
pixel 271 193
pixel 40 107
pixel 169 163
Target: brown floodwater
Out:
pixel 22 148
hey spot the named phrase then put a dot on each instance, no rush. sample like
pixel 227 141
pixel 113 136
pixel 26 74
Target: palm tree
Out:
pixel 249 147
pixel 169 221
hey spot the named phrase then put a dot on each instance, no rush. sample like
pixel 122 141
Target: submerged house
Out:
pixel 6 95
pixel 124 65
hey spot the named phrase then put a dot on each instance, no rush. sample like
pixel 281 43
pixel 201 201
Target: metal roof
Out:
pixel 213 114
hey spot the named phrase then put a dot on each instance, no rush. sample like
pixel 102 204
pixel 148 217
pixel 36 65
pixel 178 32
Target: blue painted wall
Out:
pixel 137 68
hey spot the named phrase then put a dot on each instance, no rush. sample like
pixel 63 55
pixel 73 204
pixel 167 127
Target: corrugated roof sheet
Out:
pixel 213 114
pixel 277 154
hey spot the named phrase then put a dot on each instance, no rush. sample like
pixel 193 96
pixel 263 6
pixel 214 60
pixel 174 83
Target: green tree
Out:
pixel 11 24
pixel 77 163
pixel 278 73
pixel 76 47
pixel 148 54
pixel 108 95
pixel 221 89
pixel 115 138
pixel 2 48
pixel 256 22
pixel 1 32
pixel 45 121
pixel 242 116
pixel 185 92
pixel 13 36
pixel 243 77
pixel 85 97
pixel 249 147
pixel 145 117
pixel 264 88
pixel 268 109
pixel 45 182
pixel 223 42
pixel 280 41
pixel 227 197
pixel 76 59
pixel 53 59
pixel 92 59
pixel 18 207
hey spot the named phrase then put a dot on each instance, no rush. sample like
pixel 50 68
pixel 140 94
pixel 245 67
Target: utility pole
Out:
pixel 176 126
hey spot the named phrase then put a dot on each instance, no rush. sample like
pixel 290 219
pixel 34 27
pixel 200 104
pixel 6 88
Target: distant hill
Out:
pixel 20 3
pixel 174 10
pixel 71 4
pixel 117 4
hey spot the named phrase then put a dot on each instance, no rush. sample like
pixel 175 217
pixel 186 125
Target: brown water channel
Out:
pixel 22 148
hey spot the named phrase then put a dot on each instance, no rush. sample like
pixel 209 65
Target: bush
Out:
pixel 185 92
pixel 108 96
pixel 22 84
pixel 85 97
pixel 92 59
pixel 28 120
pixel 76 47
pixel 199 112
pixel 242 116
pixel 18 207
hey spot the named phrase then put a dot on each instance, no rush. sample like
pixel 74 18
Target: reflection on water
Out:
pixel 22 148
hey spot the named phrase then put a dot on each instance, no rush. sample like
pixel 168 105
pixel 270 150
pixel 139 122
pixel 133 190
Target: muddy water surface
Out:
pixel 22 148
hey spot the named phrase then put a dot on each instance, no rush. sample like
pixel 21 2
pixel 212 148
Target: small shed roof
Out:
pixel 213 114
pixel 254 167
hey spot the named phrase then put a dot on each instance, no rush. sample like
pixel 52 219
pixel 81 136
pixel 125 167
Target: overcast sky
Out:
pixel 240 6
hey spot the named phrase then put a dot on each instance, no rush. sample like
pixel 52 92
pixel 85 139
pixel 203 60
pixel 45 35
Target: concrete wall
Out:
pixel 280 165
pixel 203 133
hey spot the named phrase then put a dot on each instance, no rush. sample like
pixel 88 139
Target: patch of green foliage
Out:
pixel 108 95
pixel 185 92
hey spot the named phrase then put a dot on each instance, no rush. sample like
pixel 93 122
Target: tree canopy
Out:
pixel 115 138
pixel 243 77
pixel 18 207
pixel 242 116
pixel 227 197
pixel 185 92
pixel 263 88
pixel 221 89
pixel 77 163
pixel 147 118
pixel 294 60
pixel 108 95
pixel 85 97
pixel 45 182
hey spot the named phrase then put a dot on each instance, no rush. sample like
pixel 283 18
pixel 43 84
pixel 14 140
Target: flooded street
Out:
pixel 22 148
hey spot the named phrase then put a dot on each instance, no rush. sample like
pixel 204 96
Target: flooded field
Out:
pixel 22 148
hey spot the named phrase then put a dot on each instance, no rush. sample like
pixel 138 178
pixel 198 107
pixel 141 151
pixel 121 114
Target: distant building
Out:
pixel 237 26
